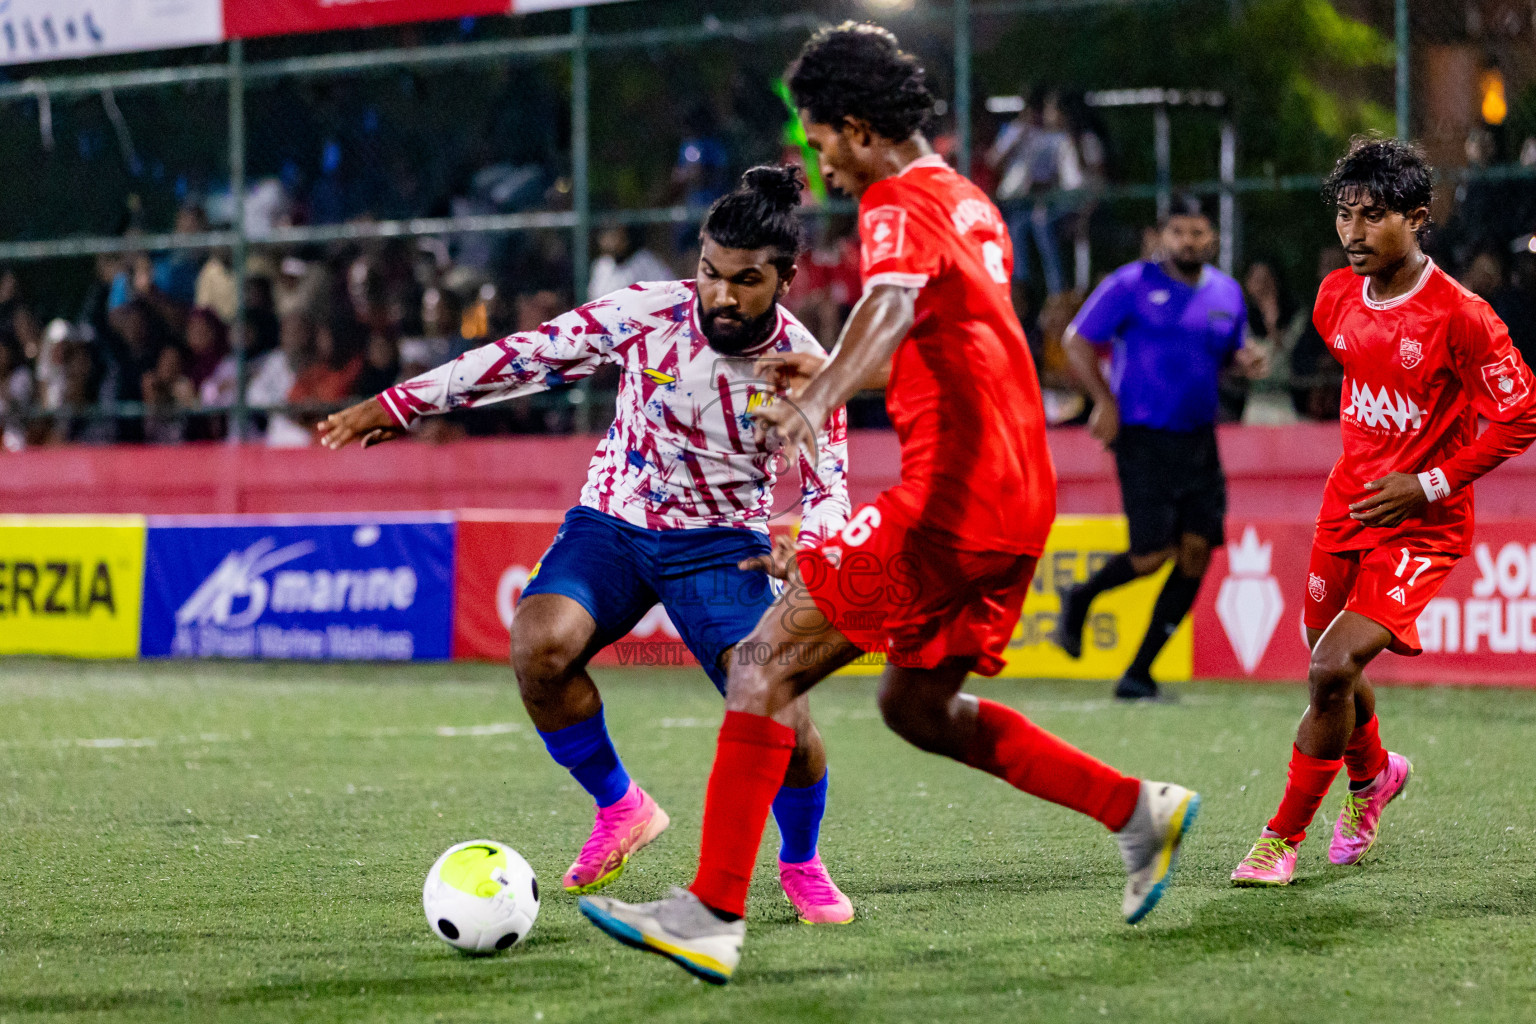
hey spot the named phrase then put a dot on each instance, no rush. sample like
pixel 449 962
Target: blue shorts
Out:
pixel 618 571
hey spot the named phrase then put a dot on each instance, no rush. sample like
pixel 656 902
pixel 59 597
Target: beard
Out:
pixel 1187 266
pixel 731 334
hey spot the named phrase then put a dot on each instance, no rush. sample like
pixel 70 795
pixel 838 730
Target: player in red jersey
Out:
pixel 933 574
pixel 1423 358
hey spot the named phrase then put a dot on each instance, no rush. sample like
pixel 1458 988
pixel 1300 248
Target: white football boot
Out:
pixel 1149 843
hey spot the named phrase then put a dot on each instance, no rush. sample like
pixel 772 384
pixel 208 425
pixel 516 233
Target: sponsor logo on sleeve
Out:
pixel 884 232
pixel 1505 382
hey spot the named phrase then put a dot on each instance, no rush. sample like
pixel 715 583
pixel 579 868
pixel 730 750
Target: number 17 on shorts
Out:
pixel 1390 585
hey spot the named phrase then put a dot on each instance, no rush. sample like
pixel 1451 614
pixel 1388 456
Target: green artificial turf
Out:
pixel 247 843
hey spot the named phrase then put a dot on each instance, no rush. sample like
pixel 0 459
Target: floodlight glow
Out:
pixel 891 6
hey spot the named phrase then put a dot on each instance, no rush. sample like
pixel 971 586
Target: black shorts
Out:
pixel 1171 484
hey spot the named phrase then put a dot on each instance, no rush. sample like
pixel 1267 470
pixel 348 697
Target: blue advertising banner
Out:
pixel 353 590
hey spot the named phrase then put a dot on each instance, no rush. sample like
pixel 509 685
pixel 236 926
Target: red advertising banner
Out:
pixel 244 19
pixel 1481 628
pixel 496 552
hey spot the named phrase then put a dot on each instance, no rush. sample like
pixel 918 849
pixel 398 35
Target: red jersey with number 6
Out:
pixel 1418 371
pixel 963 396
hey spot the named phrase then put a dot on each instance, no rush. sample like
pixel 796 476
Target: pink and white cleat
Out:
pixel 1355 832
pixel 621 829
pixel 813 894
pixel 1272 861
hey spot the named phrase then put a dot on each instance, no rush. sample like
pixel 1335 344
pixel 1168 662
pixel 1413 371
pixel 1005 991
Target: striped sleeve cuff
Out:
pixel 1435 484
pixel 899 280
pixel 390 400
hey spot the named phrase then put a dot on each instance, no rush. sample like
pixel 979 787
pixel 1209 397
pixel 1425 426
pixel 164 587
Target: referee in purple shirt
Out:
pixel 1170 327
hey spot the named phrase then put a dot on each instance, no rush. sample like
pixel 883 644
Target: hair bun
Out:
pixel 780 184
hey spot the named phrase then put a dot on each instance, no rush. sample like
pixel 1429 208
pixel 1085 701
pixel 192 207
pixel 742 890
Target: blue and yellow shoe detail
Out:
pixel 1168 857
pixel 698 964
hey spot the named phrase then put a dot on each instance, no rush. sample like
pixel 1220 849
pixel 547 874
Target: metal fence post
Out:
pixel 581 193
pixel 1162 148
pixel 1228 202
pixel 963 44
pixel 581 186
pixel 237 211
pixel 1404 97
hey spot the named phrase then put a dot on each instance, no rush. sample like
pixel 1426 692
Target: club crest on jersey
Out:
pixel 1411 353
pixel 1316 586
pixel 1505 382
pixel 884 230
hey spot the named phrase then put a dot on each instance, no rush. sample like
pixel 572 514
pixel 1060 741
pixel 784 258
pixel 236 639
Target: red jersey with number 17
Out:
pixel 1418 371
pixel 963 396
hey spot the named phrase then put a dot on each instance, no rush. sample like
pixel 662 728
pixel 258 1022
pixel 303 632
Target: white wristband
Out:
pixel 1434 484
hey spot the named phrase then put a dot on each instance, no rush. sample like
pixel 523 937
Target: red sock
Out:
pixel 1021 753
pixel 1305 787
pixel 751 758
pixel 1365 757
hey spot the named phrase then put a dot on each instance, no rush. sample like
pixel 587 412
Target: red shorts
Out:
pixel 1389 585
pixel 893 588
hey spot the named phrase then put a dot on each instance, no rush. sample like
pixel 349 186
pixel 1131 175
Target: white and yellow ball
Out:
pixel 481 897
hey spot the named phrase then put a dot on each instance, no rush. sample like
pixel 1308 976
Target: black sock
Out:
pixel 1177 598
pixel 1355 787
pixel 1116 572
pixel 723 915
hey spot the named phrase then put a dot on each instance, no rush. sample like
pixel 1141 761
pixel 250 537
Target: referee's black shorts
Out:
pixel 1171 484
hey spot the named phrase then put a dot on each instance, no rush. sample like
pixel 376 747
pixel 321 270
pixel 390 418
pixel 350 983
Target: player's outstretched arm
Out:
pixel 560 352
pixel 875 329
pixel 367 420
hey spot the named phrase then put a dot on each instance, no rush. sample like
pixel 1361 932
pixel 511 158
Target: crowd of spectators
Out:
pixel 155 352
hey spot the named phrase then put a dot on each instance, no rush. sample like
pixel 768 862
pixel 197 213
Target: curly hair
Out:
pixel 761 213
pixel 1391 173
pixel 861 71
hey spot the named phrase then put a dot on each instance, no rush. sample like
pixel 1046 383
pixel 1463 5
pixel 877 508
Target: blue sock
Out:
pixel 798 813
pixel 585 750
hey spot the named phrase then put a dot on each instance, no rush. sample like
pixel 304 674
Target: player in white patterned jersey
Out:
pixel 680 453
pixel 675 509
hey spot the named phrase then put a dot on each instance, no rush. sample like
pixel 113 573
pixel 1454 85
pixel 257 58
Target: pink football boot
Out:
pixel 621 829
pixel 1272 861
pixel 1355 832
pixel 813 894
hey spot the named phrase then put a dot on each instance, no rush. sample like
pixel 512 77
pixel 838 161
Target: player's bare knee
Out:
pixel 1194 557
pixel 907 715
pixel 1146 565
pixel 543 662
pixel 748 687
pixel 1331 677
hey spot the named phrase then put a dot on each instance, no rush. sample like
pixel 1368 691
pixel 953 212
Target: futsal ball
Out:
pixel 481 897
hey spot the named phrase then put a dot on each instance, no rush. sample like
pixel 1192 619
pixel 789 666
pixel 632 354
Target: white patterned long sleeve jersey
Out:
pixel 681 453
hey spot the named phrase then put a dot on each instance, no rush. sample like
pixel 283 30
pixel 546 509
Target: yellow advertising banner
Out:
pixel 71 585
pixel 1077 547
